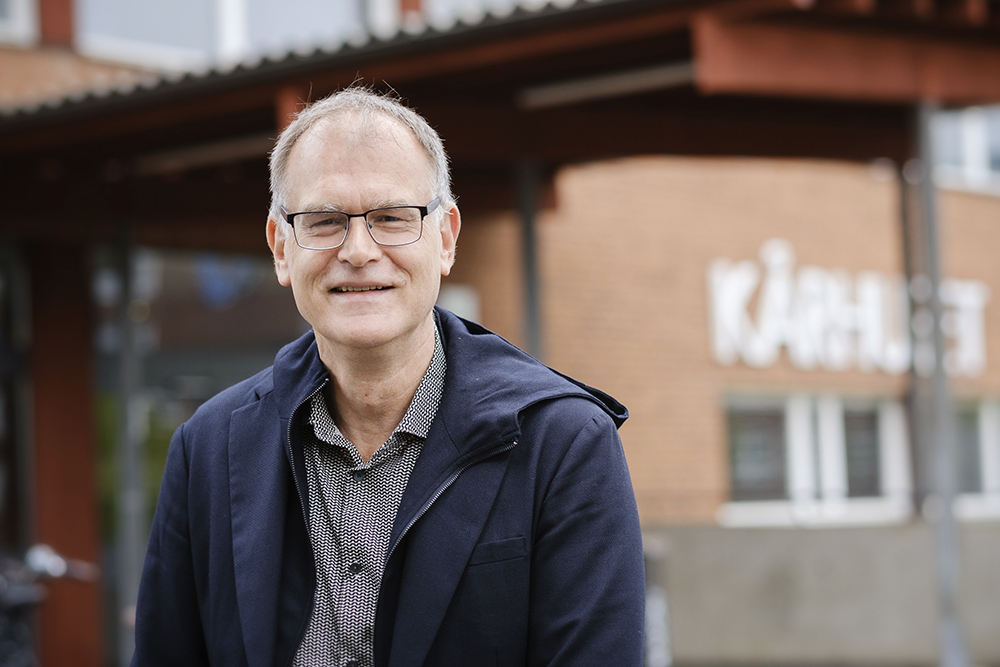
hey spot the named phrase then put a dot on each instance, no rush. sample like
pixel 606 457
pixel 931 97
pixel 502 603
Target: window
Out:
pixel 17 22
pixel 861 444
pixel 967 436
pixel 816 460
pixel 967 146
pixel 757 453
pixel 978 453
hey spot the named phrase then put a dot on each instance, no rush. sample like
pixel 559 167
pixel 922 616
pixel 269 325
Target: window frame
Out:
pixel 816 465
pixel 985 504
pixel 21 27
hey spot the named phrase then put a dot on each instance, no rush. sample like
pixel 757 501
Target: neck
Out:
pixel 371 389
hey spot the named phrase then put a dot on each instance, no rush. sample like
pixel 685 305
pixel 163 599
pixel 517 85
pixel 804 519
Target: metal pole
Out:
pixel 527 198
pixel 132 534
pixel 953 651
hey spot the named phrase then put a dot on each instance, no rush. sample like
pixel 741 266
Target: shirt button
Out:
pixel 354 568
pixel 358 475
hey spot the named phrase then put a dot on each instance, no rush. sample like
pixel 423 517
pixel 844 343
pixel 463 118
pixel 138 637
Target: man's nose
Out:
pixel 359 247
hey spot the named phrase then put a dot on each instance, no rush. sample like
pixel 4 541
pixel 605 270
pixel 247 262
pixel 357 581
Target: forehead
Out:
pixel 369 152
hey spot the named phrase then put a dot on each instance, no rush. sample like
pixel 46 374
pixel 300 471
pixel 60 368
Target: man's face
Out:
pixel 354 168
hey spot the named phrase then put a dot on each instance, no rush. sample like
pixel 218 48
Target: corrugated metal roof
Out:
pixel 364 45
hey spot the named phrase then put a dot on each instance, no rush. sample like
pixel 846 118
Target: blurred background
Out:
pixel 769 227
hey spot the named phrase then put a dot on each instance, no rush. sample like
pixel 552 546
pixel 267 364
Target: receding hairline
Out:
pixel 361 123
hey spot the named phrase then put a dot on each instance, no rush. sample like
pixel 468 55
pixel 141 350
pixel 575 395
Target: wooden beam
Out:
pixel 733 10
pixel 782 60
pixel 919 10
pixel 141 116
pixel 849 7
pixel 965 12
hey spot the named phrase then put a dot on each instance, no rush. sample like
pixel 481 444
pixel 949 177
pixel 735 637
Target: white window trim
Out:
pixel 985 506
pixel 832 449
pixel 975 173
pixel 144 54
pixel 21 28
pixel 232 31
pixel 823 502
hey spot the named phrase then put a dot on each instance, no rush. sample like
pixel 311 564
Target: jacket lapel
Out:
pixel 257 474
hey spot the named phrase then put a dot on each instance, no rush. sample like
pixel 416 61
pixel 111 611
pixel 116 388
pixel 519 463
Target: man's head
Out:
pixel 353 152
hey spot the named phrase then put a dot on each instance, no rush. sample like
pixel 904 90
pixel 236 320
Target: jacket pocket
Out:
pixel 493 552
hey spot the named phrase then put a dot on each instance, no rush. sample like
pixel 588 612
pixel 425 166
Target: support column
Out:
pixel 133 525
pixel 528 180
pixel 939 415
pixel 66 499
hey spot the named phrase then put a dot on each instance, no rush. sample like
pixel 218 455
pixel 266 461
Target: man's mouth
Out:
pixel 359 289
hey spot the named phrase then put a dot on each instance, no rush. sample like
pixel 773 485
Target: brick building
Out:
pixel 778 487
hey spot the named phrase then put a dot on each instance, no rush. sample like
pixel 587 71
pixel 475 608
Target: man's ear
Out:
pixel 450 227
pixel 276 239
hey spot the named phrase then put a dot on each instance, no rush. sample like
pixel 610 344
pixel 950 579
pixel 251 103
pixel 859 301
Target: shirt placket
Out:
pixel 360 576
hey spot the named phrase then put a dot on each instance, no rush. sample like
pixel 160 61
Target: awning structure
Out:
pixel 820 78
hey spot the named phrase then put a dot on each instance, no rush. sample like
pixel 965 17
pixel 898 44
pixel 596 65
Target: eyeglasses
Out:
pixel 389 226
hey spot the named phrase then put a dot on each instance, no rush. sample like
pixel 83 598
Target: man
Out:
pixel 402 487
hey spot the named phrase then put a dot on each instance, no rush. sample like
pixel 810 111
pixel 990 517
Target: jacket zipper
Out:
pixel 302 506
pixel 444 487
pixel 437 494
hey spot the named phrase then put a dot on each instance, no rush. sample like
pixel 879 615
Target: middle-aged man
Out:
pixel 402 487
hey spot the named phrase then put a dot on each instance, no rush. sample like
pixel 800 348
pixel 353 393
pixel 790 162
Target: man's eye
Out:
pixel 385 218
pixel 317 222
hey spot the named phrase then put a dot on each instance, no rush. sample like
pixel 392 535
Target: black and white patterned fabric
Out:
pixel 352 508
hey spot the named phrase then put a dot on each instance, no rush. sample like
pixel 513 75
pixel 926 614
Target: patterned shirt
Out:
pixel 352 508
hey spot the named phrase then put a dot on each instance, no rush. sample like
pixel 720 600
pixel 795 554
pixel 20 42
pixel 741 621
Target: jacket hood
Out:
pixel 489 382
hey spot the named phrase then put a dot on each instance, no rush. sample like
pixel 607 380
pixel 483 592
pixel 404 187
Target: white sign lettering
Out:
pixel 827 318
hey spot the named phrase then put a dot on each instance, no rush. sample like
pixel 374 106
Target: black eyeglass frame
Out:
pixel 424 212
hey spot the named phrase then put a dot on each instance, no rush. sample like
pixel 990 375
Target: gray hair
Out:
pixel 367 105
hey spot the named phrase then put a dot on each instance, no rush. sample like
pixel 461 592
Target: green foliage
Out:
pixel 153 454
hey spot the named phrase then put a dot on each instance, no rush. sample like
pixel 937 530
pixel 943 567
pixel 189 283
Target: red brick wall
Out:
pixel 625 300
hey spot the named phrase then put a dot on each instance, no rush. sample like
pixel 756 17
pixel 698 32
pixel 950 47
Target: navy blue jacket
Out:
pixel 516 541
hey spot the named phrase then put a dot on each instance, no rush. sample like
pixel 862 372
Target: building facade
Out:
pixel 757 319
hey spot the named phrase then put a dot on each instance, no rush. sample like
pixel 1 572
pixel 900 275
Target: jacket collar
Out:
pixel 298 373
pixel 492 382
pixel 495 380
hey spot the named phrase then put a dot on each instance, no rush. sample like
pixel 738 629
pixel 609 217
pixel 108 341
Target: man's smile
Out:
pixel 367 288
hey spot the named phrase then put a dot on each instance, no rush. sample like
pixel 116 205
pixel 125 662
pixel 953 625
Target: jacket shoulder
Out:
pixel 218 409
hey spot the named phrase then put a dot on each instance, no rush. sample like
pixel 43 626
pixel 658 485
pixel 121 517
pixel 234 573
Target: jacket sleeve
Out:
pixel 168 629
pixel 587 582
